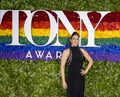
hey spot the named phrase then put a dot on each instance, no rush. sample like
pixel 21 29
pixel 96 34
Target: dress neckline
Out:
pixel 74 47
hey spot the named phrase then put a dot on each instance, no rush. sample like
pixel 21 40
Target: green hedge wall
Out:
pixel 92 5
pixel 42 79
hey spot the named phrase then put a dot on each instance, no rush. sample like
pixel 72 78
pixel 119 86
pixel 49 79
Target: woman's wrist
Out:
pixel 86 71
pixel 63 80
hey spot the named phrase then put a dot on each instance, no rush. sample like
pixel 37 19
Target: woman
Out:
pixel 74 82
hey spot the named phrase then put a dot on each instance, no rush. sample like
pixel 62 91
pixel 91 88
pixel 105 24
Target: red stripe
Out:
pixel 72 16
pixel 45 24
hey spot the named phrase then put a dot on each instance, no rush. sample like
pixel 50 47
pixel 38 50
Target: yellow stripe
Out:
pixel 5 32
pixel 63 33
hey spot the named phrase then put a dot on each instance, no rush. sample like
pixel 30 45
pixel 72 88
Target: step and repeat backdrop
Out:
pixel 44 34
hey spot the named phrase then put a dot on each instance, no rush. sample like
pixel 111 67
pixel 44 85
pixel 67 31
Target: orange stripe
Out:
pixel 45 24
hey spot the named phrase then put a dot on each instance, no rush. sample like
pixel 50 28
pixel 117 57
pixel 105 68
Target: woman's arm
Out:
pixel 63 62
pixel 90 61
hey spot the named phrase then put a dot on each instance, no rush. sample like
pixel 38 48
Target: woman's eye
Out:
pixel 73 38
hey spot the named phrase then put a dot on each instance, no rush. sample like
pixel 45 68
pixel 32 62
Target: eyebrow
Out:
pixel 75 38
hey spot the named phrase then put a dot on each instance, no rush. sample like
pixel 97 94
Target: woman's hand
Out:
pixel 83 72
pixel 64 85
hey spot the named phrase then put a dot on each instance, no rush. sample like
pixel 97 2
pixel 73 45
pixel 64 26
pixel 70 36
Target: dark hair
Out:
pixel 74 33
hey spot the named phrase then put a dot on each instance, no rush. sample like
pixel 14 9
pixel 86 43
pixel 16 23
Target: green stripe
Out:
pixel 63 40
pixel 103 41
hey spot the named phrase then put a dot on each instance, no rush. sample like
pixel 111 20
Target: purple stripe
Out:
pixel 105 56
pixel 23 56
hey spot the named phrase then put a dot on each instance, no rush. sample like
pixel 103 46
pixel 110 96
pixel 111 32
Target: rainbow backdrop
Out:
pixel 107 35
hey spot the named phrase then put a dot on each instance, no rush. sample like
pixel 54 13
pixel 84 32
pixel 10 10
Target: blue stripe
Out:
pixel 104 48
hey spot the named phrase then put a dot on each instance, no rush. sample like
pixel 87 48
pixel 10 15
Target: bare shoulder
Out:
pixel 83 50
pixel 66 52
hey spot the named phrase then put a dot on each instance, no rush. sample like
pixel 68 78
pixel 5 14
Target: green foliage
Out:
pixel 92 5
pixel 42 79
pixel 103 80
pixel 30 79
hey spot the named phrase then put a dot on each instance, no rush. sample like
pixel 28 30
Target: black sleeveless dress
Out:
pixel 74 79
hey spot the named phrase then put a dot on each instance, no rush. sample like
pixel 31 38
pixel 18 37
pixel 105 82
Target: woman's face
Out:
pixel 74 41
